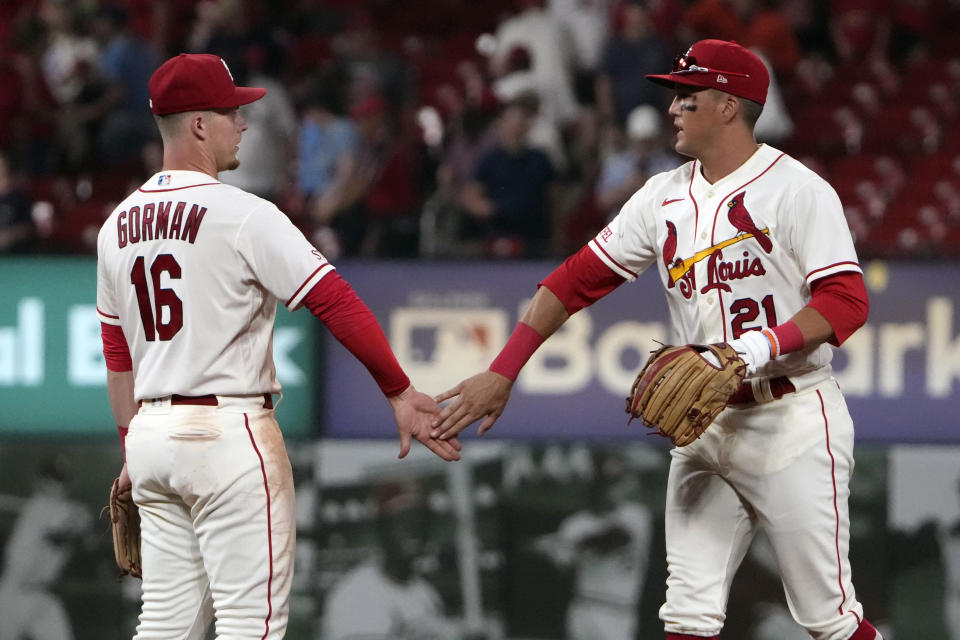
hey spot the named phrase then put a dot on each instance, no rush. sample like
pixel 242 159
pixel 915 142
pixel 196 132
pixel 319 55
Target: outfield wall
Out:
pixel 447 320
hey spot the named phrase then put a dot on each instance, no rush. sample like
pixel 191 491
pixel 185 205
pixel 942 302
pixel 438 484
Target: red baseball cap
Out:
pixel 719 64
pixel 194 82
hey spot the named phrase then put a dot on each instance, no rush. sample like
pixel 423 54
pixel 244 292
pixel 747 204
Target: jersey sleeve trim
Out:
pixel 308 284
pixel 106 318
pixel 615 266
pixel 830 269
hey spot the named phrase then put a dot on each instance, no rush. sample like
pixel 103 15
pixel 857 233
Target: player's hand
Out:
pixel 414 413
pixel 481 396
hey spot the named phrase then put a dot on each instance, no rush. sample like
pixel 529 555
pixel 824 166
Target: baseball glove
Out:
pixel 125 524
pixel 679 392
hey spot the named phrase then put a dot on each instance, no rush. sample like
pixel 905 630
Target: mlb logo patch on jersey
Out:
pixel 163 179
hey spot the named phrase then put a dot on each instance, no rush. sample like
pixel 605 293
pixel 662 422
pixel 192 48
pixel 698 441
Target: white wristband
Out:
pixel 754 348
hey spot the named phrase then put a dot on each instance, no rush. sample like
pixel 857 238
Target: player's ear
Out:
pixel 198 124
pixel 728 106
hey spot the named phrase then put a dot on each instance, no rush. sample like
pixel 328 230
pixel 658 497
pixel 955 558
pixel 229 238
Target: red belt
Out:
pixel 210 400
pixel 779 387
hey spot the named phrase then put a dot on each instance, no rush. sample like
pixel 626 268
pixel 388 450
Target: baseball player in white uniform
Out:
pixel 948 535
pixel 189 274
pixel 48 529
pixel 752 249
pixel 385 597
pixel 609 546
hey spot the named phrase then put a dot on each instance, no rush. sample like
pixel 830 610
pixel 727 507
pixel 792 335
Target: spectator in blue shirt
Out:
pixel 126 63
pixel 511 195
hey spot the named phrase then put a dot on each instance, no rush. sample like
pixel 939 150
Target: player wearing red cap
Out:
pixel 189 273
pixel 752 249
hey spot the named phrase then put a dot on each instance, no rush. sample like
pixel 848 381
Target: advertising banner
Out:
pixel 53 378
pixel 446 321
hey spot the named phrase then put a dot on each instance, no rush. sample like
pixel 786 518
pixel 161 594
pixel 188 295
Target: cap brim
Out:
pixel 246 95
pixel 671 80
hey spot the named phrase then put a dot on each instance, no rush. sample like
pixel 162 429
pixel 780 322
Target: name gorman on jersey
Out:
pixel 154 221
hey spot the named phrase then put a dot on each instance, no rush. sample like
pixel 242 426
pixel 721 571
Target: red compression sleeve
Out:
pixel 115 349
pixel 123 440
pixel 865 631
pixel 842 300
pixel 351 322
pixel 581 280
pixel 521 345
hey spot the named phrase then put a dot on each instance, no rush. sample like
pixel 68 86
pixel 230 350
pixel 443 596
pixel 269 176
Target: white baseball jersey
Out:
pixel 192 270
pixel 735 255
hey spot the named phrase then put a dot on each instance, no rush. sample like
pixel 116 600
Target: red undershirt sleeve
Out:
pixel 842 299
pixel 334 302
pixel 115 349
pixel 581 280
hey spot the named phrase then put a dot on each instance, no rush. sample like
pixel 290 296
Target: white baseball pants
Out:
pixel 784 466
pixel 215 491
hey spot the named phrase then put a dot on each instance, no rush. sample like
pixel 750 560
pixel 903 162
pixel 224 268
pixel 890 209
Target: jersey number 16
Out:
pixel 152 315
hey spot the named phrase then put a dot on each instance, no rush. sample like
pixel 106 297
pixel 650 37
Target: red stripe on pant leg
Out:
pixel 266 488
pixel 836 510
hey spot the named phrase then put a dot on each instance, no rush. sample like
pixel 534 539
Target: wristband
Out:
pixel 784 338
pixel 522 343
pixel 123 440
pixel 772 342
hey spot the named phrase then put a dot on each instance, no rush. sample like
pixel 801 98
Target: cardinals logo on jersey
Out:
pixel 740 218
pixel 680 271
pixel 669 253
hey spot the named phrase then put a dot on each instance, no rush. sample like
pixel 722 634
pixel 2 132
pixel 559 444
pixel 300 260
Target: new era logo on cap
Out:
pixel 719 64
pixel 195 82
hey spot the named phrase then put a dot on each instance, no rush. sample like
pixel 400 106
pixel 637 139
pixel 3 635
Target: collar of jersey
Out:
pixel 761 158
pixel 179 179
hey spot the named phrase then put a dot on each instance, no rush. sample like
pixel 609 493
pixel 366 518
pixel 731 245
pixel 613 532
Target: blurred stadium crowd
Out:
pixel 455 128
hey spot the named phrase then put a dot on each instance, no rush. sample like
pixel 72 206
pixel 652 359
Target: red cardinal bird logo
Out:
pixel 670 248
pixel 740 218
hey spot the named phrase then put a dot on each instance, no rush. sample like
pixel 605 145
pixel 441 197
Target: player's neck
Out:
pixel 175 159
pixel 722 160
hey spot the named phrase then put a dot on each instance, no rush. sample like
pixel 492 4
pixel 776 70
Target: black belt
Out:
pixel 779 387
pixel 209 400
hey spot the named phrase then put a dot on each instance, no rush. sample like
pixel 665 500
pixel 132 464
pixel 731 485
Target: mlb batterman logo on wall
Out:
pixel 436 345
